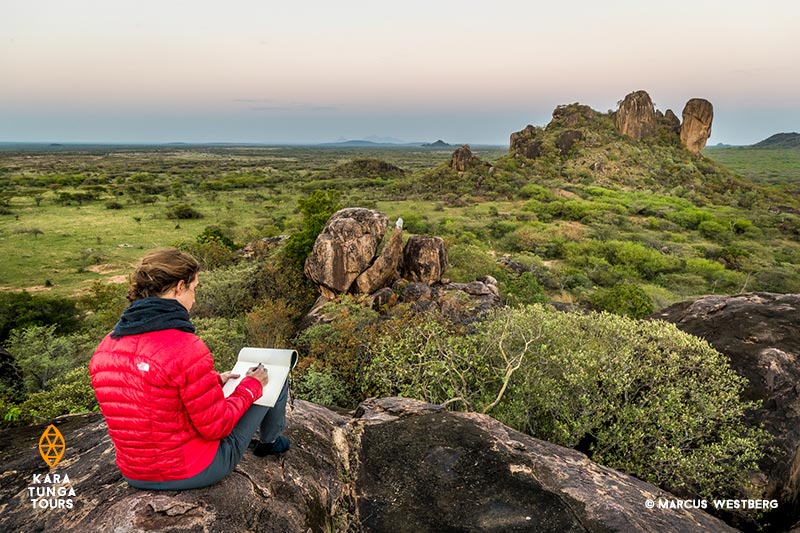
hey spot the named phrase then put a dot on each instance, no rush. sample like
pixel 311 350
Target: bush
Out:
pixel 520 289
pixel 69 393
pixel 271 324
pixel 41 355
pixel 224 337
pixel 226 292
pixel 216 235
pixel 21 309
pixel 468 262
pixel 317 208
pixel 183 212
pixel 624 299
pixel 339 345
pixel 212 253
pixel 641 397
pixel 322 386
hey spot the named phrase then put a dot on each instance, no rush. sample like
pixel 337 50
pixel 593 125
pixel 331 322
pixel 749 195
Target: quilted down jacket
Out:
pixel 163 403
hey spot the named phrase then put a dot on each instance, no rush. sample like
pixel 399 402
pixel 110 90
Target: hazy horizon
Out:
pixel 154 72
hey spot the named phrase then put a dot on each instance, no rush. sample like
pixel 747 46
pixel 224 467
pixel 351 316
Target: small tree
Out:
pixel 41 355
pixel 317 208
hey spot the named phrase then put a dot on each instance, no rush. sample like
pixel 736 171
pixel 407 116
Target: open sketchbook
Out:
pixel 278 364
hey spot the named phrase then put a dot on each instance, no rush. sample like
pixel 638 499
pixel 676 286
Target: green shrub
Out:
pixel 322 386
pixel 520 289
pixel 714 230
pixel 624 299
pixel 42 355
pixel 21 309
pixel 415 223
pixel 69 393
pixel 183 211
pixel 316 209
pixel 103 304
pixel 468 262
pixel 338 344
pixel 211 253
pixel 641 397
pixel 632 258
pixel 215 234
pixel 271 324
pixel 224 337
pixel 226 292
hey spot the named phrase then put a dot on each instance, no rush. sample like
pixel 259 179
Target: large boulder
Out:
pixel 345 248
pixel 572 116
pixel 672 122
pixel 386 267
pixel 696 128
pixel 760 333
pixel 463 159
pixel 424 259
pixel 526 143
pixel 636 116
pixel 300 491
pixel 397 465
pixel 567 139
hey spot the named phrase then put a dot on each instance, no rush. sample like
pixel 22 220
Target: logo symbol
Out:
pixel 52 445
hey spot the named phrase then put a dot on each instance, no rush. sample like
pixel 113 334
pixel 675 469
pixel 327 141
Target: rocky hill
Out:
pixel 632 148
pixel 780 140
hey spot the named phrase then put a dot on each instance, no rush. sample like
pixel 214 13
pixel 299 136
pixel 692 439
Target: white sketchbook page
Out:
pixel 278 364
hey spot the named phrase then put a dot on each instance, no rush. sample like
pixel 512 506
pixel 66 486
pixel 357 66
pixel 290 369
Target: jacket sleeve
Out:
pixel 210 412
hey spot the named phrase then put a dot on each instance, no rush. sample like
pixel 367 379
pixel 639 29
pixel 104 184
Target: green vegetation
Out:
pixel 641 397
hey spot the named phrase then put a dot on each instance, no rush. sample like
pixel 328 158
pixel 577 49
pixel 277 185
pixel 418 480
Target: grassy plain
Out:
pixel 675 226
pixel 761 165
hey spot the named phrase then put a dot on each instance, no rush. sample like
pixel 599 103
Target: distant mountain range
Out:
pixel 385 141
pixel 780 140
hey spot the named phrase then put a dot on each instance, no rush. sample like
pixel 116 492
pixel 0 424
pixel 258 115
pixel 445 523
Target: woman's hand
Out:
pixel 225 376
pixel 260 373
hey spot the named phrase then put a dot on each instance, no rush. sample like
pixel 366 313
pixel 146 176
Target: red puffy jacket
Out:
pixel 163 403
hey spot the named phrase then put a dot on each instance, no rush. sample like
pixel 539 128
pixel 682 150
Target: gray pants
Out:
pixel 269 420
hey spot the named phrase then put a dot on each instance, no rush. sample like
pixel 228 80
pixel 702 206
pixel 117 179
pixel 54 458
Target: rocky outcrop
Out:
pixel 567 139
pixel 696 128
pixel 760 333
pixel 425 259
pixel 386 267
pixel 463 159
pixel 396 465
pixel 462 303
pixel 572 116
pixel 385 278
pixel 672 122
pixel 344 249
pixel 636 116
pixel 526 143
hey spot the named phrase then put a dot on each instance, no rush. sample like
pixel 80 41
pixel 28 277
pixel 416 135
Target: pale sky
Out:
pixel 317 71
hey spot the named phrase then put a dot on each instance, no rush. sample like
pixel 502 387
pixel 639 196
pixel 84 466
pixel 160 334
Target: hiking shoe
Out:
pixel 279 445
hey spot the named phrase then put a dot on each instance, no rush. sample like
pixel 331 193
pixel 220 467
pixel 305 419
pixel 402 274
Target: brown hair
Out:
pixel 159 271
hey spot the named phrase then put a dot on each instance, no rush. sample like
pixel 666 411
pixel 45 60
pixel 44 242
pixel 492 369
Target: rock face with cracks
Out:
pixel 696 127
pixel 636 116
pixel 395 465
pixel 345 248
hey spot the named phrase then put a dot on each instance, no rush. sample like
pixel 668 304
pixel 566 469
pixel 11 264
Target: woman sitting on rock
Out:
pixel 170 423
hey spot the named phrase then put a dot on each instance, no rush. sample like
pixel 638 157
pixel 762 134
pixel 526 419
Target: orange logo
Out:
pixel 52 445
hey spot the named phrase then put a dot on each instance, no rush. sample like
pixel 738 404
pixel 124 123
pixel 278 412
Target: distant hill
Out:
pixel 780 140
pixel 356 143
pixel 438 144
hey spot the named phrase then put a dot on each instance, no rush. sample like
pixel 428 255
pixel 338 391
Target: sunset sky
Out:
pixel 314 71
